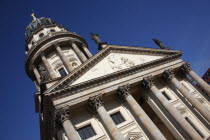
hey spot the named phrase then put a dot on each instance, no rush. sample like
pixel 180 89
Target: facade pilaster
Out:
pixel 148 83
pixel 78 52
pixel 47 66
pixel 186 69
pixel 96 104
pixel 63 118
pixel 64 59
pixel 124 93
pixel 168 76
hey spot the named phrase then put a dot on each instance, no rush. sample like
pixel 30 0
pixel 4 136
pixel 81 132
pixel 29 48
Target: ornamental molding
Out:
pixel 65 83
pixel 134 136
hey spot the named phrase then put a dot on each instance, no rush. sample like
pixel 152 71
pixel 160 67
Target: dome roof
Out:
pixel 36 24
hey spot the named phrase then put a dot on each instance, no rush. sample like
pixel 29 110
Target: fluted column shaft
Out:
pixel 78 52
pixel 47 66
pixel 96 104
pixel 87 51
pixel 124 93
pixel 63 118
pixel 186 69
pixel 148 84
pixel 168 76
pixel 64 59
pixel 36 73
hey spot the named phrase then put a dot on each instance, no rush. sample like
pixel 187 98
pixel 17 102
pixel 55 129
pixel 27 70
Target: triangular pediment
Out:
pixel 115 62
pixel 114 59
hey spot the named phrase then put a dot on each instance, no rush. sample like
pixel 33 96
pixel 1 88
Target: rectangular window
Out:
pixel 62 72
pixel 117 118
pixel 192 124
pixel 167 97
pixel 86 132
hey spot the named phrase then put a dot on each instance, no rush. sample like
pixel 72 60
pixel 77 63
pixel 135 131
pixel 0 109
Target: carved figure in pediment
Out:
pixel 43 73
pixel 117 63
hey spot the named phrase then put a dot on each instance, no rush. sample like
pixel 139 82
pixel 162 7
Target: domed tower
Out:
pixel 52 51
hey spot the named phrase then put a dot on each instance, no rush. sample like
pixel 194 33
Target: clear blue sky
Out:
pixel 179 24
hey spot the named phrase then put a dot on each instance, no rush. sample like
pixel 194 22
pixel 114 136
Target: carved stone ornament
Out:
pixel 148 82
pixel 134 136
pixel 62 115
pixel 184 69
pixel 123 91
pixel 168 75
pixel 43 73
pixel 95 102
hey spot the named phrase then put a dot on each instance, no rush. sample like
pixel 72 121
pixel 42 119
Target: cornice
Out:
pixel 62 85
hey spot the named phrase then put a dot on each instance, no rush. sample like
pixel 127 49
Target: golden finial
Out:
pixel 33 16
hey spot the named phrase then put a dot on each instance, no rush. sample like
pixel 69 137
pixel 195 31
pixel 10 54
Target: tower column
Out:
pixel 36 73
pixel 149 84
pixel 186 69
pixel 86 51
pixel 64 59
pixel 47 65
pixel 63 118
pixel 96 104
pixel 78 51
pixel 168 76
pixel 124 93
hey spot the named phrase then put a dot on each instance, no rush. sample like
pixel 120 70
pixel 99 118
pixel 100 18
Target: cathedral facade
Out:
pixel 120 93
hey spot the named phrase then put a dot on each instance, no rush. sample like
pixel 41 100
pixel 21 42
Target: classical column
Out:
pixel 47 66
pixel 186 69
pixel 149 84
pixel 78 52
pixel 64 59
pixel 96 104
pixel 87 51
pixel 168 76
pixel 36 73
pixel 63 119
pixel 124 93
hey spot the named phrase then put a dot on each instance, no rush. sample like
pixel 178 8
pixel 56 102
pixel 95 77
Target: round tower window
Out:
pixel 41 35
pixel 52 30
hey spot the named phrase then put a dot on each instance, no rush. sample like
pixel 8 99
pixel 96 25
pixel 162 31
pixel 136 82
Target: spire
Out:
pixel 98 41
pixel 33 16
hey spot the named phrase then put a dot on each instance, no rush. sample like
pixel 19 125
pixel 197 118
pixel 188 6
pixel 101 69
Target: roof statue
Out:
pixel 33 16
pixel 98 41
pixel 159 43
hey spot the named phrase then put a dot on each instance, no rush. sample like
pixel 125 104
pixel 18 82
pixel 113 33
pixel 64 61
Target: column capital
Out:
pixel 56 44
pixel 62 115
pixel 123 91
pixel 32 67
pixel 184 69
pixel 168 75
pixel 148 82
pixel 95 102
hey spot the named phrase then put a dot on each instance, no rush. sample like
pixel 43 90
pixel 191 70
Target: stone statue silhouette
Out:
pixel 159 43
pixel 96 38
